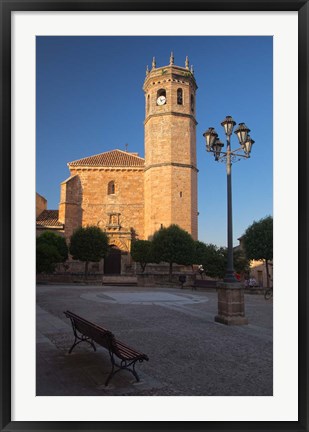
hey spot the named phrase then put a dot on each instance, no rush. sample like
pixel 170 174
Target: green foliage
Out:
pixel 211 257
pixel 141 252
pixel 187 74
pixel 88 244
pixel 46 258
pixel 52 239
pixel 214 259
pixel 241 262
pixel 173 245
pixel 51 249
pixel 258 240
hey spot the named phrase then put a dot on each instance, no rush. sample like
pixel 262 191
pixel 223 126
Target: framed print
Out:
pixel 124 148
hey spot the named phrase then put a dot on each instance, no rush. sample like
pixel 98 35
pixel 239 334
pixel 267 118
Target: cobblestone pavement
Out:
pixel 189 353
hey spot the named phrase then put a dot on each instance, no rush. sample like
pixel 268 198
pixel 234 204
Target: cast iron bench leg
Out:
pixel 134 371
pixel 78 340
pixel 123 366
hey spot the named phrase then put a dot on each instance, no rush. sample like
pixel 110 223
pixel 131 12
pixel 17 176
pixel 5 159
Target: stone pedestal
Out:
pixel 231 304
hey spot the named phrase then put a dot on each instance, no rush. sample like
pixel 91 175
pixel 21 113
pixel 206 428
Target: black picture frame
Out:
pixel 7 7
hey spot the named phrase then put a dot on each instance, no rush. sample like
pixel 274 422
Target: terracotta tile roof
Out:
pixel 48 218
pixel 115 158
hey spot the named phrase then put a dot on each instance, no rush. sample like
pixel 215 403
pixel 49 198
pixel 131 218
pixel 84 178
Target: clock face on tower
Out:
pixel 161 100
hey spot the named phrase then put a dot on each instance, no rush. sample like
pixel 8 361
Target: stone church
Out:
pixel 126 195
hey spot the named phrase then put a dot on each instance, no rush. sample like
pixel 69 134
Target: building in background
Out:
pixel 126 195
pixel 47 219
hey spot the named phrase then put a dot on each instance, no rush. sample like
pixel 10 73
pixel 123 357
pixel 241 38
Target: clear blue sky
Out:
pixel 89 100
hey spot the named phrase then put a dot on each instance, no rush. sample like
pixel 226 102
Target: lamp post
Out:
pixel 215 146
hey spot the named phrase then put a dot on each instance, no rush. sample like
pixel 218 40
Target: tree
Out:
pixel 211 257
pixel 88 244
pixel 141 252
pixel 241 262
pixel 51 249
pixel 214 259
pixel 258 241
pixel 173 245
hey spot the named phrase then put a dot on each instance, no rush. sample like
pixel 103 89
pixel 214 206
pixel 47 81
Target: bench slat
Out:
pixel 127 352
pixel 98 334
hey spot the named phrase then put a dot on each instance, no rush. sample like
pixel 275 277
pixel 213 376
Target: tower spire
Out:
pixel 171 58
pixel 192 70
pixel 153 62
pixel 187 62
pixel 147 70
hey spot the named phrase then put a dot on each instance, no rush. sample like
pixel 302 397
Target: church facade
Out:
pixel 128 196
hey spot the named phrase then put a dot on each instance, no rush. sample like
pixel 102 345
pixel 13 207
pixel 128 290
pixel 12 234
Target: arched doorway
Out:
pixel 112 263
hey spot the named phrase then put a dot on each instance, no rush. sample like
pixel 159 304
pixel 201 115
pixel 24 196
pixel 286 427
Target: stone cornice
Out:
pixel 105 168
pixel 119 204
pixel 174 113
pixel 119 234
pixel 176 164
pixel 69 202
pixel 54 227
pixel 169 74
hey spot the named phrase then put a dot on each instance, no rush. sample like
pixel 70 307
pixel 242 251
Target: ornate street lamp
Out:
pixel 242 133
pixel 231 304
pixel 210 136
pixel 215 146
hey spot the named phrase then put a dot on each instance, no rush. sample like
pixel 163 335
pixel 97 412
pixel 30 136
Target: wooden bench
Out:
pixel 204 283
pixel 85 331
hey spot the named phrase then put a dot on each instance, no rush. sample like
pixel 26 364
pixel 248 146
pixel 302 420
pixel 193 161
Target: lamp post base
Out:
pixel 231 304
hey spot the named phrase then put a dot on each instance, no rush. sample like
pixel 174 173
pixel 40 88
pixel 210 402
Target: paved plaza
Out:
pixel 189 353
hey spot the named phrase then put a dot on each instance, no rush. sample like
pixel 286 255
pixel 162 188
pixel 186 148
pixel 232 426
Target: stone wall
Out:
pixel 75 266
pixel 70 209
pixel 68 278
pixel 162 279
pixel 41 204
pixel 259 273
pixel 85 201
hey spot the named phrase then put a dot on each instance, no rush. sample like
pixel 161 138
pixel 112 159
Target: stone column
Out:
pixel 231 304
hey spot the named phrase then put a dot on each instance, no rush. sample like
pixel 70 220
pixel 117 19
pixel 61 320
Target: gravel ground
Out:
pixel 189 353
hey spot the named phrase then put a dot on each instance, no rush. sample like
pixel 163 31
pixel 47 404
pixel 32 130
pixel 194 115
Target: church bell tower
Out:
pixel 170 148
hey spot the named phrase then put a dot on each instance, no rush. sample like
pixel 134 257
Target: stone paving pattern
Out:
pixel 190 354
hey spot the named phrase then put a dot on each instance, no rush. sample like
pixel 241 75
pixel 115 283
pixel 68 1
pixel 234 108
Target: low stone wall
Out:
pixel 124 280
pixel 69 278
pixel 162 279
pixel 162 268
pixel 143 279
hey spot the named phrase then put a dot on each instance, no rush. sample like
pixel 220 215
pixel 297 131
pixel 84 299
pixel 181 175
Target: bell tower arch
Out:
pixel 170 148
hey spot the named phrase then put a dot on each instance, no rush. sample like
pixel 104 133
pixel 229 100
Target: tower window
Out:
pixel 148 103
pixel 161 92
pixel 111 187
pixel 179 96
pixel 192 103
pixel 161 97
